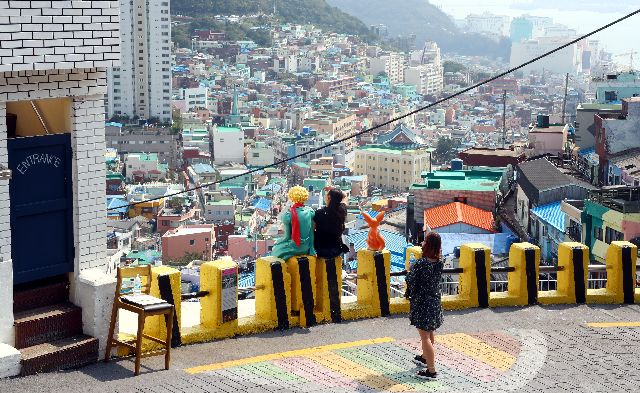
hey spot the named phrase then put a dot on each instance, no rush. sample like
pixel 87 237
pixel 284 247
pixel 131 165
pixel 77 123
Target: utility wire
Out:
pixel 413 112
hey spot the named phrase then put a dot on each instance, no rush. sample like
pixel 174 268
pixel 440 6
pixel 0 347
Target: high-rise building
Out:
pixel 141 86
pixel 521 29
pixel 391 64
pixel 425 71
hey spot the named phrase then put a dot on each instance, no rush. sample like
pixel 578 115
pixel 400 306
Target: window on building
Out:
pixel 610 96
pixel 192 242
pixel 597 233
pixel 611 235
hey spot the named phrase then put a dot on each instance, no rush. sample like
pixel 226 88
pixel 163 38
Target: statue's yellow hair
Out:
pixel 298 194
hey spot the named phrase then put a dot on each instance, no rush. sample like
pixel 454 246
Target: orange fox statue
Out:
pixel 375 241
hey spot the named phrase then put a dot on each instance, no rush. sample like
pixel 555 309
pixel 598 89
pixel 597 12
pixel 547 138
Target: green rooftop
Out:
pixel 144 257
pixel 145 156
pixel 301 165
pixel 228 129
pixel 470 180
pixel 317 184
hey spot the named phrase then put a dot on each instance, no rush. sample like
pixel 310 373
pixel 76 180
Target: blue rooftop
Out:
pixel 118 204
pixel 262 204
pixel 203 168
pixel 552 214
pixel 394 242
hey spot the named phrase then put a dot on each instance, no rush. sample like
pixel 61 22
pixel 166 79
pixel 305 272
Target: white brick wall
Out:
pixel 86 87
pixel 45 35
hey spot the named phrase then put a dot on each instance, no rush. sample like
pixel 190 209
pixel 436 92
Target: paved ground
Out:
pixel 505 350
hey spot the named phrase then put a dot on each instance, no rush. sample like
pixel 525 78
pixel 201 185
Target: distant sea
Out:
pixel 617 39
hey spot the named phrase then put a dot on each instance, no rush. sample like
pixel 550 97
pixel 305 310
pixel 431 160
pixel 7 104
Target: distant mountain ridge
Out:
pixel 316 12
pixel 424 20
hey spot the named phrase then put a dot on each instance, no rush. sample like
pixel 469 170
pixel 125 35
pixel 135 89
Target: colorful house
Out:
pixel 547 229
pixel 610 215
pixel 457 217
pixel 196 240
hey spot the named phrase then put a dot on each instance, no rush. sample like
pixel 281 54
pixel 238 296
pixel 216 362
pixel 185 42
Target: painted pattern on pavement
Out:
pixel 496 361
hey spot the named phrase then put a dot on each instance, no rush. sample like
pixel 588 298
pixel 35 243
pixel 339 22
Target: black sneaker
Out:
pixel 426 374
pixel 419 360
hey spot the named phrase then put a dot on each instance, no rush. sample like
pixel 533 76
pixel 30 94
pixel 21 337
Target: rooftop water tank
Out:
pixel 543 121
pixel 456 164
pixel 306 130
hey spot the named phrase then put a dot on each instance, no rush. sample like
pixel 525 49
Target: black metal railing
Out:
pixel 194 295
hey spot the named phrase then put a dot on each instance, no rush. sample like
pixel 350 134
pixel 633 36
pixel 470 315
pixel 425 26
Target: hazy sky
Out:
pixel 582 15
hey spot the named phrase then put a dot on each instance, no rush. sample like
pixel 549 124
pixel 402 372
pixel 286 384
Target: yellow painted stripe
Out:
pixel 365 376
pixel 287 354
pixel 478 350
pixel 613 324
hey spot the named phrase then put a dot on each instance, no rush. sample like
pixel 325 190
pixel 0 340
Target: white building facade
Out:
pixel 427 78
pixel 228 145
pixel 141 86
pixel 392 65
pixel 567 60
pixel 194 98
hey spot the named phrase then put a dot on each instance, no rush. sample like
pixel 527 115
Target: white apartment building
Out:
pixel 488 23
pixel 568 60
pixel 228 145
pixel 429 54
pixel 193 98
pixel 392 64
pixel 141 86
pixel 260 155
pixel 427 78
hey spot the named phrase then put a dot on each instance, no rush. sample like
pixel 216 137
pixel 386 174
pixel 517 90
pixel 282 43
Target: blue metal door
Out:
pixel 41 197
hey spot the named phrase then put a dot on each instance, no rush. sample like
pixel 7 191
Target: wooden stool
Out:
pixel 144 305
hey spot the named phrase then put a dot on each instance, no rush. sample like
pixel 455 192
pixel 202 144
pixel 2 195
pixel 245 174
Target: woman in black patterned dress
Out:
pixel 425 313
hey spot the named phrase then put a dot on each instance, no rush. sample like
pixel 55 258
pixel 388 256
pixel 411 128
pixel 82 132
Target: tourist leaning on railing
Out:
pixel 425 312
pixel 329 226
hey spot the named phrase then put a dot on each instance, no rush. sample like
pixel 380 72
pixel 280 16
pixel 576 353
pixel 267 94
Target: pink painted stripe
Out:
pixel 456 361
pixel 314 372
pixel 465 364
pixel 501 341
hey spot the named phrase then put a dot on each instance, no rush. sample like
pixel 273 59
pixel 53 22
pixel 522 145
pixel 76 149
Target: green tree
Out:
pixel 446 149
pixel 186 259
pixel 452 66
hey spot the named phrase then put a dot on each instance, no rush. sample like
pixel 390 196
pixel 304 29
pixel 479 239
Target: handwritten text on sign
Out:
pixel 34 159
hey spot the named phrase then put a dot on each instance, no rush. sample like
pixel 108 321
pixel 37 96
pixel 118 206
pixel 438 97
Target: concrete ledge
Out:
pixel 9 361
pixel 503 299
pixel 602 296
pixel 553 297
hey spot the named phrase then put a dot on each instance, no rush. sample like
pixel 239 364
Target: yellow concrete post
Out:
pixel 302 270
pixel 475 260
pixel 523 282
pixel 415 251
pixel 328 289
pixel 219 309
pixel 166 285
pixel 373 287
pixel 621 273
pixel 573 260
pixel 273 291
